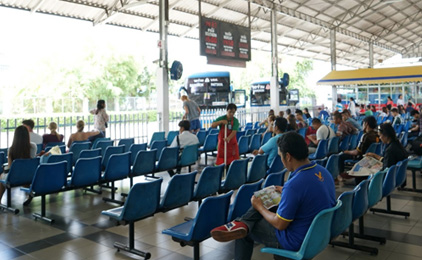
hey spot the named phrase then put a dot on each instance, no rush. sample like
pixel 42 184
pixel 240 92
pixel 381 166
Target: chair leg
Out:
pixel 196 251
pixel 112 199
pixel 362 234
pixel 131 247
pixel 206 159
pixel 8 206
pixel 91 189
pixel 351 244
pixel 389 211
pixel 42 215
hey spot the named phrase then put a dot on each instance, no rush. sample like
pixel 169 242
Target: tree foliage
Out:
pixel 298 78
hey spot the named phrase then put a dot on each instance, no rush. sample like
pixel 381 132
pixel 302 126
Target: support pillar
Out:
pixel 162 72
pixel 371 55
pixel 333 65
pixel 274 91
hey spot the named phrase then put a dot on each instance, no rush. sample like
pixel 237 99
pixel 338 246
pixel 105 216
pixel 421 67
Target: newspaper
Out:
pixel 365 167
pixel 270 196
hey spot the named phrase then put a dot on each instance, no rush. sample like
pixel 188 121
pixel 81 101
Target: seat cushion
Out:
pixel 180 231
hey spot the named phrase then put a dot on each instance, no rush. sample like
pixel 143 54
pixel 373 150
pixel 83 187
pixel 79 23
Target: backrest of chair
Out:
pixel 149 194
pixel 375 188
pixel 179 191
pixel 189 155
pixel 236 175
pixel 378 149
pixel 242 201
pixel 67 157
pixel 401 172
pixel 134 149
pixel 403 139
pixel 239 134
pixel 22 171
pixel 209 182
pixel 372 148
pixel 76 149
pixel 321 162
pixel 39 148
pixel 144 163
pixel 49 178
pixel 261 130
pixel 318 235
pixel 103 145
pixel 342 218
pixel 360 200
pixel 2 161
pixel 170 136
pixel 159 146
pixel 321 150
pixel 302 131
pixel 87 172
pixel 332 165
pixel 275 178
pixel 52 144
pixel 276 165
pixel 118 167
pixel 213 131
pixel 255 142
pixel 344 144
pixel 95 143
pixel 157 136
pixel 353 142
pixel 248 126
pixel 389 183
pixel 333 145
pixel 211 214
pixel 90 153
pixel 267 136
pixel 127 142
pixel 250 132
pixel 168 158
pixel 109 151
pixel 243 143
pixel 201 134
pixel 258 169
pixel 210 143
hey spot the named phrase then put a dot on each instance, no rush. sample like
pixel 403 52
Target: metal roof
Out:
pixel 393 26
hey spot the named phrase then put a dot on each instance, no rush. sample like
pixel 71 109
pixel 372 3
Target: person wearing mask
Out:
pixel 230 124
pixel 309 190
pixel 54 136
pixel 323 132
pixel 22 148
pixel 30 124
pixel 192 113
pixel 270 147
pixel 100 117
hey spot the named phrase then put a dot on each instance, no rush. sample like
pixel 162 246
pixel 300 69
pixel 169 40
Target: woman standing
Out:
pixel 390 101
pixel 230 124
pixel 53 136
pixel 352 107
pixel 101 117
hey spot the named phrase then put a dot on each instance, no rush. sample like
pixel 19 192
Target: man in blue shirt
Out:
pixel 309 191
pixel 270 147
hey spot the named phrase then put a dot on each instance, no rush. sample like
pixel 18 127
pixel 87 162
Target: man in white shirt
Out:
pixel 33 137
pixel 323 132
pixel 184 139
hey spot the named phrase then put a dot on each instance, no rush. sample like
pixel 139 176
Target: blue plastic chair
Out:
pixel 255 142
pixel 243 144
pixel 403 139
pixel 168 159
pixel 127 142
pixel 316 239
pixel 343 216
pixel 344 144
pixel 2 161
pixel 400 178
pixel 118 168
pixel 144 164
pixel 90 153
pixel 201 134
pixel 159 146
pixel 109 151
pixel 21 173
pixel 189 157
pixel 132 211
pixel 242 201
pixel 353 143
pixel 333 165
pixel 170 136
pixel 48 179
pixel 239 134
pixel 261 130
pixel 258 169
pixel 134 149
pixel 49 145
pixel 62 148
pixel 87 172
pixel 179 191
pixel 103 145
pixel 321 150
pixel 67 157
pixel 267 136
pixel 76 149
pixel 236 176
pixel 275 178
pixel 333 145
pixel 208 183
pixel 302 131
pixel 211 214
pixel 158 136
pixel 213 131
pixel 39 148
pixel 210 145
pixel 321 162
pixel 248 126
pixel 94 144
pixel 276 165
pixel 250 132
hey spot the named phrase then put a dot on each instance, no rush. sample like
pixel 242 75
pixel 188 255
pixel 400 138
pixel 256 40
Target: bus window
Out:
pixel 261 94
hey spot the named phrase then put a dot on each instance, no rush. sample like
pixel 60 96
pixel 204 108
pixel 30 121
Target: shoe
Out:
pixel 230 231
pixel 28 200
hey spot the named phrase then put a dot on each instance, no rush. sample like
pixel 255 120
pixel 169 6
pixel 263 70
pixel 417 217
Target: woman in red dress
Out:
pixel 231 124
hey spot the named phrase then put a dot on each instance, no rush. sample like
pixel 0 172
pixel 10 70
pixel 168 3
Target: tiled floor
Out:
pixel 81 232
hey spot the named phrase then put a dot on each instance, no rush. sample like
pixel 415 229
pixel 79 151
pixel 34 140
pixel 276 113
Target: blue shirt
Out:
pixel 324 114
pixel 309 191
pixel 271 148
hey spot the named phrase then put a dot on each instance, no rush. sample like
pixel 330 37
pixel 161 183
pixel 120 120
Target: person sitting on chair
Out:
pixel 80 135
pixel 323 132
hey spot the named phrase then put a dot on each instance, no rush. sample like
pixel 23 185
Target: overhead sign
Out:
pixel 224 40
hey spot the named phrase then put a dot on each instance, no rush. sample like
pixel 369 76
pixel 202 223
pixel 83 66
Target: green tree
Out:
pixel 298 78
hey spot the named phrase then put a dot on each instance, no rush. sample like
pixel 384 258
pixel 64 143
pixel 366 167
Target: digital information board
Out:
pixel 224 40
